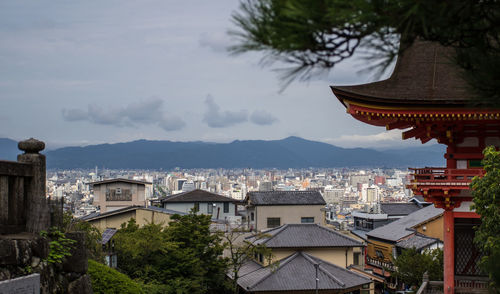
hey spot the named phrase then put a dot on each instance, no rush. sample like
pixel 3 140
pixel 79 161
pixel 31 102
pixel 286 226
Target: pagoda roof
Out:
pixel 425 76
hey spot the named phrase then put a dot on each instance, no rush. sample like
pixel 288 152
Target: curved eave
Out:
pixel 379 112
pixel 351 94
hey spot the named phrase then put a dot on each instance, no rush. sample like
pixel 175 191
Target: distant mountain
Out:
pixel 291 152
pixel 8 149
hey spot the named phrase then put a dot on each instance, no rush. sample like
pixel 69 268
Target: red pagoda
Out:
pixel 427 97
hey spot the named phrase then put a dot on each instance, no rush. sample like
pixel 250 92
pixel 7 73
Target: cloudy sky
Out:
pixel 87 72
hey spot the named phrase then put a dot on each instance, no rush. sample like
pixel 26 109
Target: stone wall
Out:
pixel 24 213
pixel 24 254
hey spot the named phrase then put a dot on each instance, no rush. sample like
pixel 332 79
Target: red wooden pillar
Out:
pixel 449 252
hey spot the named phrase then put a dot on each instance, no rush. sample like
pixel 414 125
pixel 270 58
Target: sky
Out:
pixel 75 73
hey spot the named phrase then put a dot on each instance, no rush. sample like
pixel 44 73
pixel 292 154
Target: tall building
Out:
pixel 114 194
pixel 265 186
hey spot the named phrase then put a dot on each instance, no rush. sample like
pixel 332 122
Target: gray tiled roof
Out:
pixel 417 241
pixel 197 196
pixel 97 215
pixel 418 199
pixel 297 272
pixel 359 233
pixel 119 180
pixel 398 208
pixel 399 229
pixel 286 198
pixel 304 236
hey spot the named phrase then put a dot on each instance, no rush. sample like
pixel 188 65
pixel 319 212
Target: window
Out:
pixel 252 216
pixel 273 222
pixel 356 258
pixel 210 208
pixel 307 220
pixel 261 258
pixel 196 207
pixel 226 207
pixel 118 190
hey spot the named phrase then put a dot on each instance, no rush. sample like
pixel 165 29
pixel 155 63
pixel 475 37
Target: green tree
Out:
pixel 184 257
pixel 192 234
pixel 486 192
pixel 411 266
pixel 145 253
pixel 318 34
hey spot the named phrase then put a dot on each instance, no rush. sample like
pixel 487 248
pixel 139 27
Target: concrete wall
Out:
pixel 219 206
pixel 141 216
pixel 288 214
pixel 112 221
pixel 335 255
pixel 138 196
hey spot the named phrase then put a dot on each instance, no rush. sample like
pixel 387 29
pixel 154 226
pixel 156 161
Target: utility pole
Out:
pixel 316 266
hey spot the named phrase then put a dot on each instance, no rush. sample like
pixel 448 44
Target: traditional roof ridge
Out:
pixel 310 259
pixel 427 220
pixel 299 191
pixel 130 208
pixel 285 198
pixel 280 266
pixel 278 230
pixel 324 237
pixel 219 198
pixel 119 180
pixel 404 226
pixel 340 234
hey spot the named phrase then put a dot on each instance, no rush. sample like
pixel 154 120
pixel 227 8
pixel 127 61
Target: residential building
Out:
pixel 380 215
pixel 114 194
pixel 204 202
pixel 421 229
pixel 142 215
pixel 298 273
pixel 319 241
pixel 275 208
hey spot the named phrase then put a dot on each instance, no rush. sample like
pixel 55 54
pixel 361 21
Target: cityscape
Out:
pixel 249 147
pixel 342 189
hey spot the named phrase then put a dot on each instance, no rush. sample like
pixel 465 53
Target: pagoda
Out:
pixel 427 97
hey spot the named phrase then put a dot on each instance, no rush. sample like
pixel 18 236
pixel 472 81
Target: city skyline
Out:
pixel 77 74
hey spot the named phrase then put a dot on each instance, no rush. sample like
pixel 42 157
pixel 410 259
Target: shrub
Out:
pixel 106 280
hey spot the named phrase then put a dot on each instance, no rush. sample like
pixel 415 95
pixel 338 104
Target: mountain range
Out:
pixel 291 152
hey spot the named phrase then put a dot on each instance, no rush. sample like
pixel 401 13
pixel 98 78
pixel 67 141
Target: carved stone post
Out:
pixel 37 210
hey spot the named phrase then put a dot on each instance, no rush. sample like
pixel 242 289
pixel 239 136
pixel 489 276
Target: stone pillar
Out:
pixel 37 210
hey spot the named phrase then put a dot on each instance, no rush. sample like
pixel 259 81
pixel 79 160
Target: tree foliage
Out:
pixel 486 192
pixel 318 34
pixel 181 258
pixel 106 280
pixel 411 266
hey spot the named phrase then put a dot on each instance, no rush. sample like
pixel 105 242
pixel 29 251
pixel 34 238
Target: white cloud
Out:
pixel 215 118
pixel 148 112
pixel 380 140
pixel 262 117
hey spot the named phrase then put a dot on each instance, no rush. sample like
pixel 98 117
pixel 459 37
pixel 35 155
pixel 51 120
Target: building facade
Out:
pixel 114 194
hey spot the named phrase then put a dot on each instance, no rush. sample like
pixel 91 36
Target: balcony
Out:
pixel 445 187
pixel 440 178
